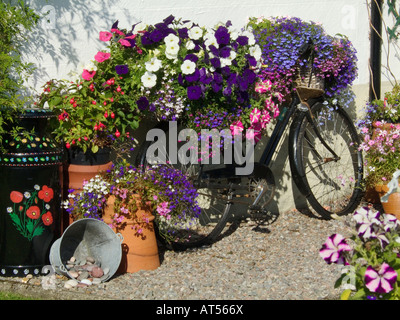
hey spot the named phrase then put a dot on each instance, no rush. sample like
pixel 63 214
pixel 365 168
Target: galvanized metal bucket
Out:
pixel 84 238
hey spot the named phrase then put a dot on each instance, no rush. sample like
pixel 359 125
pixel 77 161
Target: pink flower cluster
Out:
pixel 259 119
pixel 163 210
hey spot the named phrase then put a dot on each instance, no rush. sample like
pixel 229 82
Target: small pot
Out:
pixel 393 204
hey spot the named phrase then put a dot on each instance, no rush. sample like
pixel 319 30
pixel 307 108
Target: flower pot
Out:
pixel 30 196
pixel 83 166
pixel 393 204
pixel 139 250
pixel 383 126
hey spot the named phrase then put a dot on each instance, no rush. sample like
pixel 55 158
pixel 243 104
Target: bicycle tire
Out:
pixel 213 218
pixel 331 185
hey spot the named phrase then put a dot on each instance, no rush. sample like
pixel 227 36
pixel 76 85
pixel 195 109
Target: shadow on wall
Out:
pixel 65 22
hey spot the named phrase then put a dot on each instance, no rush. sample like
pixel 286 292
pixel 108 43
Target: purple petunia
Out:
pixel 122 69
pixel 242 40
pixel 222 35
pixel 380 281
pixel 194 92
pixel 142 103
pixel 195 76
pixel 225 52
pixel 156 35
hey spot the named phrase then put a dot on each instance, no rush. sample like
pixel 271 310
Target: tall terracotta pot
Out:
pixel 81 166
pixel 139 251
pixel 393 204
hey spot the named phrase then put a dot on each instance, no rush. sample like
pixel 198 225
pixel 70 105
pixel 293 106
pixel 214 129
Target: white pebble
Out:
pixel 70 284
pixel 86 281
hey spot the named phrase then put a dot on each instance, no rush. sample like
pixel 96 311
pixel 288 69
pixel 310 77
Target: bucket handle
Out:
pixel 121 238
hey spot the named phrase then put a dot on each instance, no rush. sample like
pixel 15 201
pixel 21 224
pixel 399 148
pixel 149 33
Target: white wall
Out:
pixel 70 38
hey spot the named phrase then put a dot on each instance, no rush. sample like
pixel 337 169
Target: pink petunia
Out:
pixel 118 32
pixel 236 127
pixel 88 75
pixel 105 36
pixel 124 42
pixel 102 56
pixel 380 281
pixel 254 132
pixel 255 115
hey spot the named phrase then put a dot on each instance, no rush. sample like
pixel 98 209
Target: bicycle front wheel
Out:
pixel 213 196
pixel 326 163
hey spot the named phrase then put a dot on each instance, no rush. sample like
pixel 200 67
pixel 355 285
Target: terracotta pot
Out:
pixel 80 167
pixel 139 251
pixel 78 173
pixel 393 204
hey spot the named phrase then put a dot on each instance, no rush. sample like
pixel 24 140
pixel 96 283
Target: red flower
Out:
pixel 47 218
pixel 33 212
pixel 46 193
pixel 16 196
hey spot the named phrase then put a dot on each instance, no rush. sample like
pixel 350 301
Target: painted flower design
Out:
pixel 382 280
pixel 30 212
pixel 33 212
pixel 47 218
pixel 16 196
pixel 46 194
pixel 333 248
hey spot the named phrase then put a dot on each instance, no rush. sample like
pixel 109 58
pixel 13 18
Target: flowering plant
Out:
pixel 163 190
pixel 386 110
pixel 335 60
pixel 179 70
pixel 92 110
pixel 88 203
pixel 382 152
pixel 370 258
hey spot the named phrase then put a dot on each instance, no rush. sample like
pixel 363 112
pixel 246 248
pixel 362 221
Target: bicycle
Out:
pixel 325 163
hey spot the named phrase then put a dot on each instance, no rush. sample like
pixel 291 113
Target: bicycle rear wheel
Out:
pixel 213 196
pixel 326 163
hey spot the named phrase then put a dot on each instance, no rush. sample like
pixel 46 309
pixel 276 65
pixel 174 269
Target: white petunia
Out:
pixel 233 33
pixel 211 41
pixel 149 79
pixel 171 39
pixel 255 51
pixel 153 65
pixel 190 45
pixel 250 36
pixel 139 27
pixel 171 51
pixel 195 33
pixel 188 67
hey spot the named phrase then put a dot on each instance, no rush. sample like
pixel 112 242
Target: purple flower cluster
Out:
pixel 178 68
pixel 89 202
pixel 164 189
pixel 334 61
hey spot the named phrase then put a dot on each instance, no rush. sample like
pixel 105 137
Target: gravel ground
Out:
pixel 275 261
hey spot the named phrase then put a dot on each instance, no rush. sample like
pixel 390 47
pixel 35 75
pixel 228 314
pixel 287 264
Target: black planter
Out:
pixel 30 197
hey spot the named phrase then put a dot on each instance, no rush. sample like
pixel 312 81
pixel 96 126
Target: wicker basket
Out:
pixel 306 78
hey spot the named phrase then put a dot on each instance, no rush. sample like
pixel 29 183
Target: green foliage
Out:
pixel 16 20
